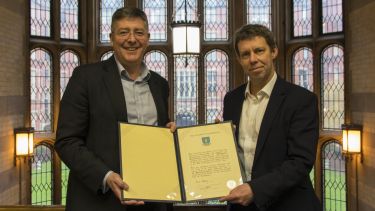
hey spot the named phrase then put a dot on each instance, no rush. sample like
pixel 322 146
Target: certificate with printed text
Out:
pixel 195 163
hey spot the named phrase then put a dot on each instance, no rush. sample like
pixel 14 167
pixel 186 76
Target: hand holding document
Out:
pixel 195 163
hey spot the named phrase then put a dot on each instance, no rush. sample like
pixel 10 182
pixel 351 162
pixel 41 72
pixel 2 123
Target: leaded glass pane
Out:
pixel 186 90
pixel 302 22
pixel 332 17
pixel 68 61
pixel 332 87
pixel 106 55
pixel 156 11
pixel 107 8
pixel 41 176
pixel 334 177
pixel 216 67
pixel 302 68
pixel 64 182
pixel 259 12
pixel 41 90
pixel 191 9
pixel 69 19
pixel 215 20
pixel 312 176
pixel 40 18
pixel 158 62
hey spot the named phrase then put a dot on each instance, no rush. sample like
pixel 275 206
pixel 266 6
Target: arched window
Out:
pixel 302 68
pixel 41 175
pixel 332 87
pixel 69 19
pixel 216 66
pixel 158 62
pixel 64 182
pixel 68 61
pixel 41 90
pixel 333 176
pixel 302 18
pixel 40 18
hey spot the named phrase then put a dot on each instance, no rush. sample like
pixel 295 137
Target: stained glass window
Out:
pixel 332 16
pixel 156 11
pixel 302 20
pixel 158 62
pixel 107 8
pixel 41 90
pixel 302 68
pixel 40 18
pixel 259 12
pixel 69 19
pixel 41 176
pixel 68 61
pixel 216 67
pixel 215 20
pixel 106 55
pixel 332 87
pixel 334 177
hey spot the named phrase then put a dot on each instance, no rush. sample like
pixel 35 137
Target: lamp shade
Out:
pixel 24 138
pixel 351 138
pixel 186 37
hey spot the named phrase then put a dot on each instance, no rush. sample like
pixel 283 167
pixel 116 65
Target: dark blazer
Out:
pixel 87 133
pixel 285 150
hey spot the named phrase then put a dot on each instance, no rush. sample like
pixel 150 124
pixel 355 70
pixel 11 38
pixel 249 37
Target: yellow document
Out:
pixel 200 163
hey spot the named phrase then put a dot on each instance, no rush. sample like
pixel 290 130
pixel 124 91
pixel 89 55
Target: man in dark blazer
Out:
pixel 96 98
pixel 276 128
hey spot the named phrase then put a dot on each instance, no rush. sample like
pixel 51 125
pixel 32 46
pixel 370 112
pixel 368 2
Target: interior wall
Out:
pixel 13 50
pixel 360 49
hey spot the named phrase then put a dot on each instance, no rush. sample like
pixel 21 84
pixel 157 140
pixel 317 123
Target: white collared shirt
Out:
pixel 253 109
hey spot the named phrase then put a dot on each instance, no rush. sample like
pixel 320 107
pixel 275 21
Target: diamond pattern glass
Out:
pixel 191 9
pixel 215 20
pixel 158 62
pixel 69 19
pixel 216 65
pixel 107 8
pixel 41 176
pixel 259 12
pixel 68 61
pixel 302 68
pixel 334 177
pixel 186 90
pixel 302 21
pixel 332 87
pixel 40 18
pixel 41 90
pixel 332 16
pixel 64 182
pixel 156 11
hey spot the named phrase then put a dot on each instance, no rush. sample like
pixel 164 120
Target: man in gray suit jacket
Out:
pixel 277 130
pixel 96 98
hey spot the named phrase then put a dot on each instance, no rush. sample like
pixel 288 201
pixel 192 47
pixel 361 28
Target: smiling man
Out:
pixel 99 95
pixel 277 130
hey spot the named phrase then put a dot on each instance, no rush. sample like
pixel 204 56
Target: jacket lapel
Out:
pixel 155 89
pixel 276 99
pixel 113 84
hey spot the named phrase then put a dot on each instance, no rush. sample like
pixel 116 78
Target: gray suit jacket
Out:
pixel 87 132
pixel 285 150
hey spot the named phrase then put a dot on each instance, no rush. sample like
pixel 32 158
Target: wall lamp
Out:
pixel 24 142
pixel 352 139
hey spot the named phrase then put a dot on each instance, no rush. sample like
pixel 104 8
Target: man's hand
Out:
pixel 242 194
pixel 171 126
pixel 116 184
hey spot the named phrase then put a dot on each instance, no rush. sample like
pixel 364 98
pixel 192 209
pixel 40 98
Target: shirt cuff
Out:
pixel 105 187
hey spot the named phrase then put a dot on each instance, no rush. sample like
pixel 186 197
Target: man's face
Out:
pixel 256 58
pixel 130 39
